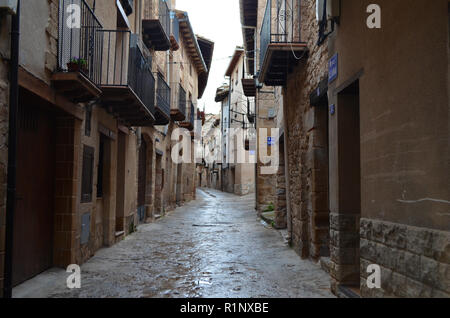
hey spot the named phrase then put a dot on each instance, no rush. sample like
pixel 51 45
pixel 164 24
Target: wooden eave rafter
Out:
pixel 190 42
pixel 237 55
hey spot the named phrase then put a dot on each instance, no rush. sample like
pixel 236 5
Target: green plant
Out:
pixel 132 228
pixel 270 208
pixel 79 61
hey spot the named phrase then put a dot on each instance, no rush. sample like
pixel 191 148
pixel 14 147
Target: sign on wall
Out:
pixel 270 141
pixel 333 68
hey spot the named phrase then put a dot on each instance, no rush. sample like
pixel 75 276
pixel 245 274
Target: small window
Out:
pixel 87 174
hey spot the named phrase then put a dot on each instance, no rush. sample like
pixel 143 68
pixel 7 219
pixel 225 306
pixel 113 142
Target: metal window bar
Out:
pixel 78 38
pixel 281 24
pixel 164 16
pixel 182 100
pixel 163 95
pixel 126 64
pixel 251 110
pixel 192 114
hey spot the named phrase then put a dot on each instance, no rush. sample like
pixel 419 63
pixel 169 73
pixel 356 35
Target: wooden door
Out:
pixel 33 219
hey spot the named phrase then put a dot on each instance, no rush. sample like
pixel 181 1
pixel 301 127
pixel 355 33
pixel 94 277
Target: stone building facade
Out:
pixel 357 128
pixel 384 92
pixel 94 130
pixel 307 135
pixel 4 128
pixel 239 173
pixel 209 172
pixel 267 113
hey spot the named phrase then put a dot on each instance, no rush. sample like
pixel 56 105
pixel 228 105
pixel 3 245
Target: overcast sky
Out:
pixel 219 21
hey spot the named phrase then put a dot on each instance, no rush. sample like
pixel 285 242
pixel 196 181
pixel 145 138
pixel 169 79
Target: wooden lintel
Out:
pixel 43 90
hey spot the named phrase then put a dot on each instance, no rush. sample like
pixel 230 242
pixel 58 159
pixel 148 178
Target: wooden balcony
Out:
pixel 178 112
pixel 156 28
pixel 190 122
pixel 249 87
pixel 126 106
pixel 127 82
pixel 75 86
pixel 281 45
pixel 79 57
pixel 162 107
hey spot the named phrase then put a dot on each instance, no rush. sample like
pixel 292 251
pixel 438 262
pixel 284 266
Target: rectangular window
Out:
pixel 100 168
pixel 87 174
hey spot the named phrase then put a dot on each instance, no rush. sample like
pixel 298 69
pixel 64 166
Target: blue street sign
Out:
pixel 333 68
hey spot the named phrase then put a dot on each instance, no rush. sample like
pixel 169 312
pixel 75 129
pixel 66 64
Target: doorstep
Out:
pixel 269 217
pixel 348 292
pixel 325 264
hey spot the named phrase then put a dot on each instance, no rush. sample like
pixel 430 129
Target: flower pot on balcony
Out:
pixel 76 67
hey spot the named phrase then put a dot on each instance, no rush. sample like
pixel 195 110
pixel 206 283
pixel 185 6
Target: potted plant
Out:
pixel 77 64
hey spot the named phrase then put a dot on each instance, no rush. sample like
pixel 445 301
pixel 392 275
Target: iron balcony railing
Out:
pixel 164 16
pixel 182 100
pixel 192 114
pixel 251 110
pixel 126 65
pixel 163 95
pixel 79 39
pixel 175 30
pixel 281 24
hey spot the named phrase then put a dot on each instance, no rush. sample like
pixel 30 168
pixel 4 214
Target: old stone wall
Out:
pixel 4 127
pixel 307 155
pixel 414 261
pixel 265 183
pixel 408 206
pixel 280 205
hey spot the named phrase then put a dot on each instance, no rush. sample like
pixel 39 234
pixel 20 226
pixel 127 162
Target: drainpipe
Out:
pixel 12 151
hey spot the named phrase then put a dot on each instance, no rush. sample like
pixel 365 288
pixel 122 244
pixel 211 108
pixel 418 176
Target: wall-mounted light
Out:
pixel 333 8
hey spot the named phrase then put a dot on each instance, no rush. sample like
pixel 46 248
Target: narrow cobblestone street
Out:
pixel 212 247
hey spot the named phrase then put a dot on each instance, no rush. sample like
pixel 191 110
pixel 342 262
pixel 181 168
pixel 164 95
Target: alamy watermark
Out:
pixel 374 279
pixel 374 19
pixel 74 279
pixel 237 146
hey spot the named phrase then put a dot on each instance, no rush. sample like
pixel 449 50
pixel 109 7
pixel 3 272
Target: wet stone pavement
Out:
pixel 212 247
